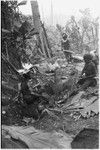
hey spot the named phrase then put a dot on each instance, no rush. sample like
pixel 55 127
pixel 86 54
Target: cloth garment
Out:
pixel 65 44
pixel 87 82
pixel 89 69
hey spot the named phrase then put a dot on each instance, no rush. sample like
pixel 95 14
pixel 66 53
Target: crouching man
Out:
pixel 88 74
pixel 31 100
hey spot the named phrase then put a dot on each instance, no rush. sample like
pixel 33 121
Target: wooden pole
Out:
pixel 47 42
pixel 37 23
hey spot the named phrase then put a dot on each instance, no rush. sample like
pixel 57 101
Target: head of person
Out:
pixel 87 58
pixel 64 36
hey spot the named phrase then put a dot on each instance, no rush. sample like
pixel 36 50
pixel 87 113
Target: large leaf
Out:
pixel 38 139
pixel 94 107
pixel 22 3
pixel 84 103
pixel 74 101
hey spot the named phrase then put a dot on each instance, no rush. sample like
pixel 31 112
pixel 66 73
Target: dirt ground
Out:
pixel 48 123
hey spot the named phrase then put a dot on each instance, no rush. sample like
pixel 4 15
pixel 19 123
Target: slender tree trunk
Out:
pixel 11 66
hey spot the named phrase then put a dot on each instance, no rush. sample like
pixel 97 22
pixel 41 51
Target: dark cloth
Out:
pixel 24 88
pixel 90 72
pixel 27 96
pixel 31 98
pixel 89 69
pixel 95 61
pixel 87 82
pixel 68 56
pixel 65 44
pixel 31 111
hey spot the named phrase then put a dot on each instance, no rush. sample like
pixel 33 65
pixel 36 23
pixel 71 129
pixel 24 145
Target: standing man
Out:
pixel 65 45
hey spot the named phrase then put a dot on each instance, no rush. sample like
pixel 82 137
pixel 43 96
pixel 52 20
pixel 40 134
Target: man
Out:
pixel 88 73
pixel 95 58
pixel 32 100
pixel 65 44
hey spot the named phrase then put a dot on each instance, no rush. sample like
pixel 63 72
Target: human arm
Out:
pixel 89 70
pixel 83 72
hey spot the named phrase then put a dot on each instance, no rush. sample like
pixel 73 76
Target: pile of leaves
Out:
pixel 85 104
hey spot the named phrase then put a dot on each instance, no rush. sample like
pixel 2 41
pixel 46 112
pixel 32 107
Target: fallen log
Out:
pixel 37 139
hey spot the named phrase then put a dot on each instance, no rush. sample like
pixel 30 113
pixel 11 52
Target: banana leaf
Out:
pixel 24 2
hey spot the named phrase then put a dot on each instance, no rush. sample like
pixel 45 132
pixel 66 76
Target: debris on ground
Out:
pixel 82 104
pixel 64 111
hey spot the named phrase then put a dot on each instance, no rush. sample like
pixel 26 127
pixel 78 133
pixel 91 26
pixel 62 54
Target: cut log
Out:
pixel 40 28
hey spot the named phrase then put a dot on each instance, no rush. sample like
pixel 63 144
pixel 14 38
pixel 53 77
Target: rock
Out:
pixel 87 138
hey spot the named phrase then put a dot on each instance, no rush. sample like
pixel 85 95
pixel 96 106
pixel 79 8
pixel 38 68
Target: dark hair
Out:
pixel 87 57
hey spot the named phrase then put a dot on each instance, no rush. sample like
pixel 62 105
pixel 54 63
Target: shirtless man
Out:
pixel 65 44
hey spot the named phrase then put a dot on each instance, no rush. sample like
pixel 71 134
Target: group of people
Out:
pixel 87 77
pixel 89 72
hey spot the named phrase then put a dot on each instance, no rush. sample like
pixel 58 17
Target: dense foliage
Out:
pixel 17 31
pixel 83 33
